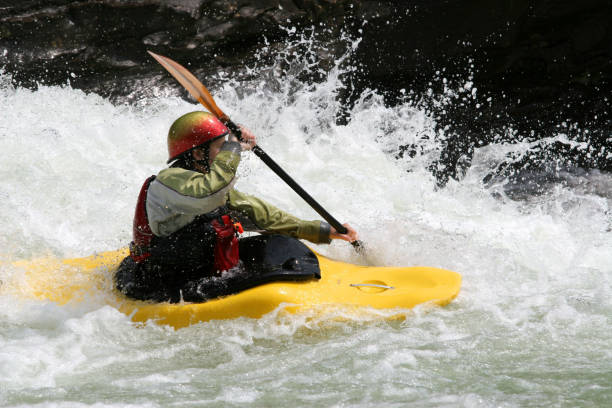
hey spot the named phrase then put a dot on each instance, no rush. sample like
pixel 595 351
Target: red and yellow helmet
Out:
pixel 192 130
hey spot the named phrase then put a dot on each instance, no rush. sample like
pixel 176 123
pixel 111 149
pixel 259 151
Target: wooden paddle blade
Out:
pixel 192 84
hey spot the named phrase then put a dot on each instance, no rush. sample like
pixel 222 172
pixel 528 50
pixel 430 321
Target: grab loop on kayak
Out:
pixel 371 285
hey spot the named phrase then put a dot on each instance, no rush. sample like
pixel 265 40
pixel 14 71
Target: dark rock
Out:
pixel 161 38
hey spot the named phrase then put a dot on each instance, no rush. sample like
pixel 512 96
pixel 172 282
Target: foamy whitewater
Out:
pixel 531 326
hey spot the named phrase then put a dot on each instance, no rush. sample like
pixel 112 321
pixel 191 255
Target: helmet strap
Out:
pixel 187 161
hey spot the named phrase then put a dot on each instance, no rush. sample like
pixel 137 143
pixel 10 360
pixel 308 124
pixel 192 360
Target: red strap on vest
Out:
pixel 226 246
pixel 141 232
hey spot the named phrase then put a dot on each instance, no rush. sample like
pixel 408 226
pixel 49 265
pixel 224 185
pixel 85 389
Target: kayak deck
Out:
pixel 341 284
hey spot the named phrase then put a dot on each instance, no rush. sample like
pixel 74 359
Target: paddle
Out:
pixel 201 94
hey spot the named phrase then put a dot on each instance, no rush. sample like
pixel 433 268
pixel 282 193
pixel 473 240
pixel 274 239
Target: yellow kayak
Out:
pixel 341 284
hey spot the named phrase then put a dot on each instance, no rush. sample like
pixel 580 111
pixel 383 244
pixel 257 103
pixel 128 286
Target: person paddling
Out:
pixel 187 217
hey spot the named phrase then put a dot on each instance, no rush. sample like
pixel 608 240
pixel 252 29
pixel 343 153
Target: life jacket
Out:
pixel 216 228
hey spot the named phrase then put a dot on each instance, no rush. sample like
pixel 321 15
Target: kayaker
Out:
pixel 187 217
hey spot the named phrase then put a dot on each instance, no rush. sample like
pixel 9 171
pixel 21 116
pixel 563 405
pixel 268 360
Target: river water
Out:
pixel 531 326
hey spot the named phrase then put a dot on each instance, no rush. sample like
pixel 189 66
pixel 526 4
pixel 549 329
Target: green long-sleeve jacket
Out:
pixel 177 196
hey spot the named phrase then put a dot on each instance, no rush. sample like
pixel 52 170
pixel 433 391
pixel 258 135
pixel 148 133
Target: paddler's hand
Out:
pixel 248 138
pixel 350 236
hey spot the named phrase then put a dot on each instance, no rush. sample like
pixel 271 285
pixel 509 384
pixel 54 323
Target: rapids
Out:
pixel 531 326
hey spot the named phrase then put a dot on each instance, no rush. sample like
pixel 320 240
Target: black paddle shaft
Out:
pixel 291 182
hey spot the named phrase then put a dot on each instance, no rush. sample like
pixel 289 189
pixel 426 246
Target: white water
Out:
pixel 531 326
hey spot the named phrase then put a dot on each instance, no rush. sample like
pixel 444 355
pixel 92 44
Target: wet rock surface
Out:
pixel 97 45
pixel 526 67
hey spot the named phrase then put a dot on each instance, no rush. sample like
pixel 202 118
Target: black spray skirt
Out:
pixel 263 259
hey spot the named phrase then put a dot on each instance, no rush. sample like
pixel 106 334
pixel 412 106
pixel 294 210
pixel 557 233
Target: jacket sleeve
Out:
pixel 177 195
pixel 267 217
